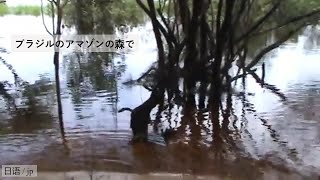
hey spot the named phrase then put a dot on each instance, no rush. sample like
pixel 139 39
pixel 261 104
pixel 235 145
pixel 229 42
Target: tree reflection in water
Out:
pixel 197 140
pixel 34 108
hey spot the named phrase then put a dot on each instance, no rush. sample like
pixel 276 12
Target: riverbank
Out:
pixel 87 175
pixel 117 159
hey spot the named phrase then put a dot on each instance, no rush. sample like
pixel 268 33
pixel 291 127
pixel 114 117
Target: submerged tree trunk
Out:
pixel 56 67
pixel 58 91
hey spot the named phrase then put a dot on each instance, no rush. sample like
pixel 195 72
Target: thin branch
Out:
pixel 271 47
pixel 145 74
pixel 242 75
pixel 259 22
pixel 144 8
pixel 292 20
pixel 43 22
pixel 16 77
pixel 157 23
pixel 54 2
pixel 170 33
pixel 52 16
pixel 270 87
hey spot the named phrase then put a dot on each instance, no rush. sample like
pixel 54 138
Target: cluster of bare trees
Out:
pixel 200 40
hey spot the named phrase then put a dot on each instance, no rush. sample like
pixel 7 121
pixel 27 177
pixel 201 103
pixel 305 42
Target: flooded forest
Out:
pixel 215 89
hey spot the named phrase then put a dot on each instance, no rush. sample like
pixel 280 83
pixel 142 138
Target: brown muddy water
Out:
pixel 267 137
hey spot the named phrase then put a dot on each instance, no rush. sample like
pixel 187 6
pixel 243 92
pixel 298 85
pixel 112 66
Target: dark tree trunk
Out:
pixel 203 62
pixel 56 67
pixel 57 79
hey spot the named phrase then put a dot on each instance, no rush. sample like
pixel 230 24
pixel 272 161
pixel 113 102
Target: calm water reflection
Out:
pixel 278 134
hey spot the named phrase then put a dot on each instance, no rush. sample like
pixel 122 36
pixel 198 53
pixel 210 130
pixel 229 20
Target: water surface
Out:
pixel 266 133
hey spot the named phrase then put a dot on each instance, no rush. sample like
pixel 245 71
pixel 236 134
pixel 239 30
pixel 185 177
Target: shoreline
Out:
pixel 103 175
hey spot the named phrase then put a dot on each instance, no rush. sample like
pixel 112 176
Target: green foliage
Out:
pixel 47 10
pixel 23 10
pixel 26 10
pixel 3 9
pixel 293 7
pixel 164 5
pixel 126 12
pixel 289 9
pixel 278 25
pixel 102 15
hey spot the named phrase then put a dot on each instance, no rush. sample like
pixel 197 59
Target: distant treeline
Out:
pixel 34 10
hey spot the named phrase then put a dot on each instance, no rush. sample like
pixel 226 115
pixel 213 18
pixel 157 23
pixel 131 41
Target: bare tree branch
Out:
pixel 271 47
pixel 145 74
pixel 292 20
pixel 242 75
pixel 270 87
pixel 158 24
pixel 43 22
pixel 259 22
